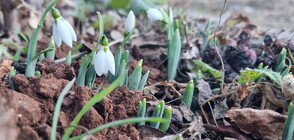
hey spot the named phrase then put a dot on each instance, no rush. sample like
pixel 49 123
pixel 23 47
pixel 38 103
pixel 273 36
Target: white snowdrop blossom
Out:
pixel 104 61
pixel 62 30
pixel 130 22
pixel 154 14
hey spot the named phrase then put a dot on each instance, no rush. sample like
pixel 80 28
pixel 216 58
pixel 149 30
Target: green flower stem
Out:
pixel 144 80
pixel 117 123
pixel 33 41
pixel 98 97
pixel 167 115
pixel 142 111
pixel 57 108
pixel 51 54
pixel 188 95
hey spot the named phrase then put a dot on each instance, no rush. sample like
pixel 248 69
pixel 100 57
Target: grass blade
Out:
pixel 57 108
pixel 98 97
pixel 119 122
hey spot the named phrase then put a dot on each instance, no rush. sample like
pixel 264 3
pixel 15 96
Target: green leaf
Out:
pixel 82 72
pixel 253 74
pixel 95 99
pixel 136 76
pixel 119 122
pixel 57 108
pixel 203 67
pixel 142 111
pixel 23 36
pixel 4 50
pixel 174 51
pixel 289 124
pixel 122 4
pixel 167 115
pixel 144 80
pixel 188 94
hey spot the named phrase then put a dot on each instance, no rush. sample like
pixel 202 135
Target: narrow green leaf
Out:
pixel 76 48
pixel 188 94
pixel 58 106
pixel 206 68
pixel 68 58
pixel 136 76
pixel 289 124
pixel 144 80
pixel 90 75
pixel 82 72
pixel 167 115
pixel 174 52
pixel 98 97
pixel 158 112
pixel 23 36
pixel 119 122
pixel 142 111
pixel 17 54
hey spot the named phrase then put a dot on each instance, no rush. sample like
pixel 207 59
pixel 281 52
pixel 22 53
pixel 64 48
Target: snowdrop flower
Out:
pixel 104 60
pixel 130 22
pixel 154 14
pixel 62 30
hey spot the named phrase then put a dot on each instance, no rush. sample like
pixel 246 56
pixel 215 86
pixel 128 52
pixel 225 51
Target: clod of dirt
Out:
pixel 29 109
pixel 262 124
pixel 8 116
pixel 27 132
pixel 59 70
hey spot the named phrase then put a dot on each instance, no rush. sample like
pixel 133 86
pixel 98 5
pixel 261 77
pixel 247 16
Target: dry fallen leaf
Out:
pixel 262 124
pixel 5 67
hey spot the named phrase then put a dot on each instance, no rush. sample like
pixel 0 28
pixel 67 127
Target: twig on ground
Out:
pixel 216 49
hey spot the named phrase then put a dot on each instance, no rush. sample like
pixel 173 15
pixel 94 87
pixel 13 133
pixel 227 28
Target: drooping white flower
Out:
pixel 104 61
pixel 130 22
pixel 62 30
pixel 154 14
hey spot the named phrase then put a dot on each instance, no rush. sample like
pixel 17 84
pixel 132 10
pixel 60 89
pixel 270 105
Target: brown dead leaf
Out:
pixel 244 92
pixel 262 124
pixel 205 91
pixel 274 95
pixel 228 130
pixel 5 67
pixel 147 132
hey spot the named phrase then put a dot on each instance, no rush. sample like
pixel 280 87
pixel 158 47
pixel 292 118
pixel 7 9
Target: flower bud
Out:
pixel 130 22
pixel 154 14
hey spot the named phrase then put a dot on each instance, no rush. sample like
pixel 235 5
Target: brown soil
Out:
pixel 29 109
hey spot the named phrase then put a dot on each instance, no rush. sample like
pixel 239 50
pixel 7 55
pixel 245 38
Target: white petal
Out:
pixel 110 64
pixel 63 32
pixel 56 37
pixel 130 22
pixel 154 14
pixel 99 63
pixel 72 31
